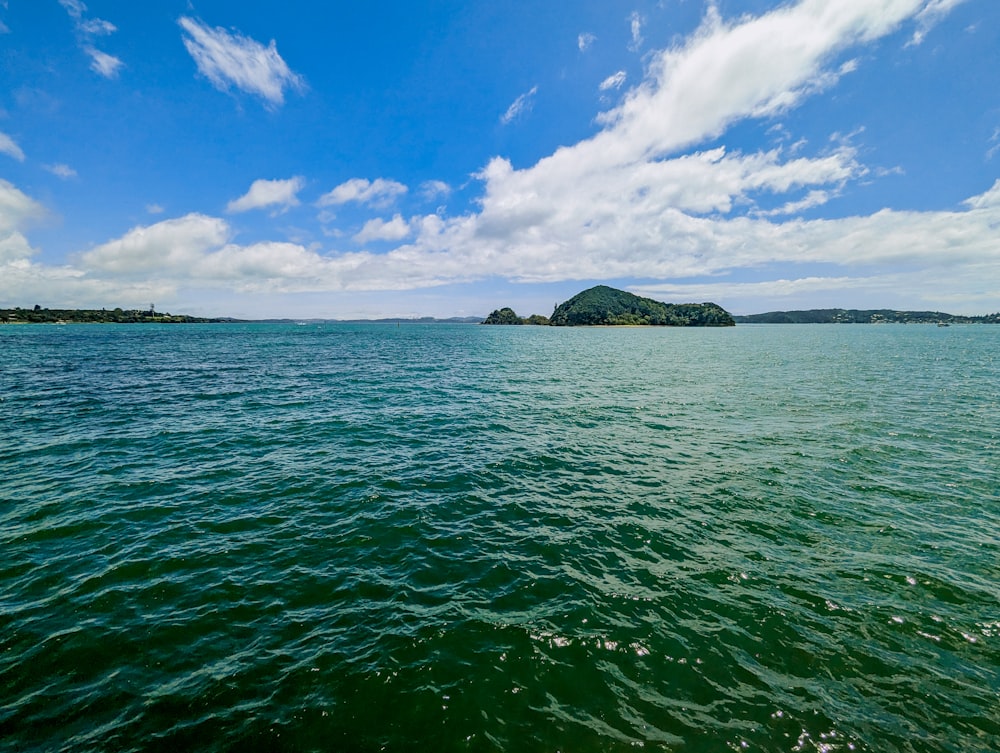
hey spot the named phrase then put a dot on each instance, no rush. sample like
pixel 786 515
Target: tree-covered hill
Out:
pixel 39 315
pixel 603 305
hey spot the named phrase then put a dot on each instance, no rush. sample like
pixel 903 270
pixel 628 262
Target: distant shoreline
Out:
pixel 19 316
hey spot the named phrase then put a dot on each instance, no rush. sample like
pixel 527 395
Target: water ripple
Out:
pixel 362 537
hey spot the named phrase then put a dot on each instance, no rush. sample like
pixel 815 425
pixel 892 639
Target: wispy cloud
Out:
pixel 269 193
pixel 585 40
pixel 614 81
pixel 9 147
pixel 75 8
pixel 434 189
pixel 97 27
pixel 87 29
pixel 233 60
pixel 103 63
pixel 811 200
pixel 994 144
pixel 60 170
pixel 378 193
pixel 930 16
pixel 636 22
pixel 519 106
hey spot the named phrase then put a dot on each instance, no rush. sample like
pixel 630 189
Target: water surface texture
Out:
pixel 337 537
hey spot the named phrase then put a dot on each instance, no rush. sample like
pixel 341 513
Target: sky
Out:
pixel 450 157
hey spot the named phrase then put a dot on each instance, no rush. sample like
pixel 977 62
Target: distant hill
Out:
pixel 857 316
pixel 603 305
pixel 38 315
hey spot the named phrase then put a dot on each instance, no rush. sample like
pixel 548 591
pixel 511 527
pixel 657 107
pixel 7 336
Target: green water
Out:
pixel 359 538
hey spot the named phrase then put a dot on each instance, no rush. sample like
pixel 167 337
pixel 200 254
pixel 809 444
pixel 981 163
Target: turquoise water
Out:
pixel 340 537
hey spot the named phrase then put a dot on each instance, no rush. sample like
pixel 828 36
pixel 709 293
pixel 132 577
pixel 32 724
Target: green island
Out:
pixel 39 315
pixel 606 306
pixel 857 316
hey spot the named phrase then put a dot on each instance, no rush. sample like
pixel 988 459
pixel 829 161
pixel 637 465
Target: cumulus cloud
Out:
pixel 585 40
pixel 381 230
pixel 10 148
pixel 519 106
pixel 231 59
pixel 17 210
pixel 177 244
pixel 269 193
pixel 377 193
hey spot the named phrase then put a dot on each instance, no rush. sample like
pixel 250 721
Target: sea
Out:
pixel 450 537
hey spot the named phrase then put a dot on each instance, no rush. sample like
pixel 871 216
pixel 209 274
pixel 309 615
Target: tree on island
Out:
pixel 505 315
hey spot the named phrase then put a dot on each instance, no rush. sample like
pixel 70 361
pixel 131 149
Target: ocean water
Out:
pixel 368 537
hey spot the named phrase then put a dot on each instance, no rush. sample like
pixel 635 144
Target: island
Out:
pixel 607 306
pixel 859 316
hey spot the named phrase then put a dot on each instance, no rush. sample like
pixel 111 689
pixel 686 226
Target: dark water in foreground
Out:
pixel 362 538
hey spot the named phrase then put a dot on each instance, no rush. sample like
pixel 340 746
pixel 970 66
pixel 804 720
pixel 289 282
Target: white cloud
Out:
pixel 231 59
pixel 178 243
pixel 17 210
pixel 103 63
pixel 377 193
pixel 994 144
pixel 930 16
pixel 154 209
pixel 636 23
pixel 434 189
pixel 811 200
pixel 269 193
pixel 86 29
pixel 10 148
pixel 379 230
pixel 614 81
pixel 60 170
pixel 16 207
pixel 97 27
pixel 75 8
pixel 519 106
pixel 585 40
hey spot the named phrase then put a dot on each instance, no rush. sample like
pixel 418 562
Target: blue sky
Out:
pixel 446 158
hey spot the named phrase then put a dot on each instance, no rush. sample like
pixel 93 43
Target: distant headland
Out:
pixel 606 306
pixel 858 316
pixel 39 315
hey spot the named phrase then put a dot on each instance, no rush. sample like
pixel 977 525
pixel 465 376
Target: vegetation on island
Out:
pixel 857 316
pixel 606 306
pixel 39 315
